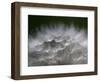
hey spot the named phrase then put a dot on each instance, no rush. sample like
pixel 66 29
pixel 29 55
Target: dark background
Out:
pixel 35 22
